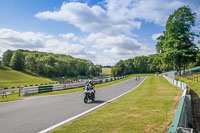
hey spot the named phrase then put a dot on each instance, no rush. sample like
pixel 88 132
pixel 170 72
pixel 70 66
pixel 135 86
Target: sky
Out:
pixel 103 31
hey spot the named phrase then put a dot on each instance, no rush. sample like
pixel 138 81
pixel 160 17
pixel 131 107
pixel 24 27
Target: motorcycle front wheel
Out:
pixel 93 97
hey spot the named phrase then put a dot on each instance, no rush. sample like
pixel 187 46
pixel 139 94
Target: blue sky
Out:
pixel 101 31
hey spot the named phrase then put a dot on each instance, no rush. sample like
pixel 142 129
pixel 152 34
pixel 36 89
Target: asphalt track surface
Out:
pixel 35 114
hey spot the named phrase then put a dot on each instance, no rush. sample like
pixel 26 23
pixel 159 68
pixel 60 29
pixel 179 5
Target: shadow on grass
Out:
pixel 195 111
pixel 30 73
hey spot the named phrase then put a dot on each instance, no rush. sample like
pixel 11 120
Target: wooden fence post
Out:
pixel 19 91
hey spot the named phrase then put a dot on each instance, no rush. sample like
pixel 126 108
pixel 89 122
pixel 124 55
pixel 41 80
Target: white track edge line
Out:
pixel 86 112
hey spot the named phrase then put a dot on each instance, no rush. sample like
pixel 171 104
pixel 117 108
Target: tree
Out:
pixel 17 61
pixel 197 63
pixel 176 45
pixel 7 57
pixel 141 64
pixel 129 66
pixel 30 63
pixel 154 63
pixel 50 65
pixel 118 69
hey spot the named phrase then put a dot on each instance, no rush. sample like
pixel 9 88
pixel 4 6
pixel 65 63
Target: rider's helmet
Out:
pixel 90 81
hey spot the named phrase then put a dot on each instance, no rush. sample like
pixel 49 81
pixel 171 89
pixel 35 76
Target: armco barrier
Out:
pixel 182 122
pixel 49 88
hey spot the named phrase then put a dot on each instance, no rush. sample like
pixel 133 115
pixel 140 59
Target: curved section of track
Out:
pixel 35 114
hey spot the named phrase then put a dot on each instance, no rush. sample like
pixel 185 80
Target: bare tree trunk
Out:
pixel 179 70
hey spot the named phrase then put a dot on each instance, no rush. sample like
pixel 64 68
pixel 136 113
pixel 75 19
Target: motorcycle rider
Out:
pixel 90 84
pixel 89 91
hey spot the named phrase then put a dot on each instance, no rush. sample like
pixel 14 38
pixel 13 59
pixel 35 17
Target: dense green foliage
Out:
pixel 48 64
pixel 139 64
pixel 177 46
pixel 7 57
pixel 17 61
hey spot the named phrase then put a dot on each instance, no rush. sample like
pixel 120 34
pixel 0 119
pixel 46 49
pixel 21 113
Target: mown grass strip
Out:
pixel 148 108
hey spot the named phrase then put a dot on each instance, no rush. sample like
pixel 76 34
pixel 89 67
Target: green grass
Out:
pixel 97 86
pixel 106 70
pixel 194 85
pixel 148 108
pixel 12 78
pixel 14 96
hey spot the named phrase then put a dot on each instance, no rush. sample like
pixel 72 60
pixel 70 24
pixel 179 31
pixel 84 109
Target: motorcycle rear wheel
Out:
pixel 85 99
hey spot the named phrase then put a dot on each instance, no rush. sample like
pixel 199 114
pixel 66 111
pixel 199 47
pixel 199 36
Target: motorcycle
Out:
pixel 89 94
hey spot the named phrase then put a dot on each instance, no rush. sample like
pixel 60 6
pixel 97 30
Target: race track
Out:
pixel 34 114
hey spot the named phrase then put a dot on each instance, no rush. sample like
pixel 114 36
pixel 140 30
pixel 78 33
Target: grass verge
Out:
pixel 149 108
pixel 14 96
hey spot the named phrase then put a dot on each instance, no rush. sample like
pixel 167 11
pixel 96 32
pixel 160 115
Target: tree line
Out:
pixel 49 64
pixel 176 49
pixel 139 64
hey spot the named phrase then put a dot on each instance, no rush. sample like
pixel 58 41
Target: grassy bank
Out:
pixel 12 78
pixel 148 108
pixel 106 70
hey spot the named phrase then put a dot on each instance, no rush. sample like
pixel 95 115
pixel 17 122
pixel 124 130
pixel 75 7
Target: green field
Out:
pixel 12 78
pixel 106 70
pixel 149 108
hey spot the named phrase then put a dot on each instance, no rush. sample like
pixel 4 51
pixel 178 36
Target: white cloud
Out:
pixel 156 11
pixel 69 36
pixel 115 17
pixel 155 36
pixel 105 60
pixel 10 39
pixel 119 46
pixel 92 19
